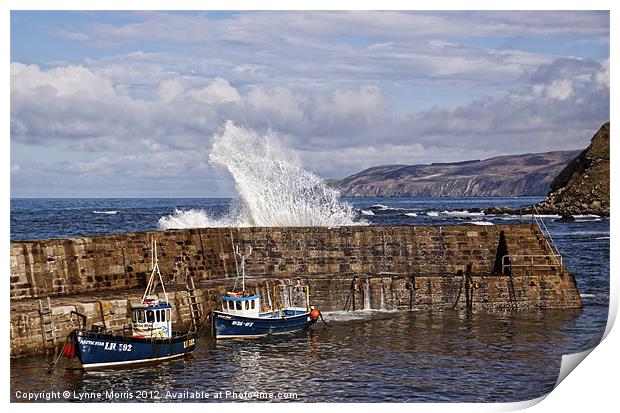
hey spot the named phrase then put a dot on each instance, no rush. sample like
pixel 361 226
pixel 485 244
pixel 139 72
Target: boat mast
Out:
pixel 150 287
pixel 242 257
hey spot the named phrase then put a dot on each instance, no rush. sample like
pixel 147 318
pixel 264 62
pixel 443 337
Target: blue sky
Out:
pixel 125 103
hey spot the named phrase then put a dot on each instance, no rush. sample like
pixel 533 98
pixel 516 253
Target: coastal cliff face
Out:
pixel 583 186
pixel 511 175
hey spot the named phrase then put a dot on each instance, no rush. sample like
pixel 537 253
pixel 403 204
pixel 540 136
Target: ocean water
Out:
pixel 365 356
pixel 45 218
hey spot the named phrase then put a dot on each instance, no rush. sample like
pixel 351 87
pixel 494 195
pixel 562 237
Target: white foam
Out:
pixel 382 207
pixel 432 214
pixel 354 315
pixel 481 223
pixel 591 233
pixel 274 190
pixel 411 214
pixel 586 216
pixel 587 295
pixel 197 218
pixel 462 214
pixel 105 212
pixel 524 216
pixel 365 212
pixel 601 238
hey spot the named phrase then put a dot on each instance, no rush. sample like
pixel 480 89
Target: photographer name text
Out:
pixel 150 395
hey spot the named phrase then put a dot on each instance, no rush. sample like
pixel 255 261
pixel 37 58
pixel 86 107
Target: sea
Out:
pixel 362 356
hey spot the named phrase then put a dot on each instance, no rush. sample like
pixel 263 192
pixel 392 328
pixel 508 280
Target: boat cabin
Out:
pixel 152 318
pixel 238 305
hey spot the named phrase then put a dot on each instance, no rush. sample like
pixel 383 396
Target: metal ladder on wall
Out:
pixel 547 235
pixel 48 326
pixel 193 302
pixel 533 261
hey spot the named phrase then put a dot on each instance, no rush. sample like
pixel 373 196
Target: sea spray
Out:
pixel 199 218
pixel 274 190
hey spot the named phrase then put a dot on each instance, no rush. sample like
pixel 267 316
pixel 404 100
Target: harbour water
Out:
pixel 365 356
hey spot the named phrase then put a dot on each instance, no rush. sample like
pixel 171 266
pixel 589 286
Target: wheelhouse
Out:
pixel 243 306
pixel 152 319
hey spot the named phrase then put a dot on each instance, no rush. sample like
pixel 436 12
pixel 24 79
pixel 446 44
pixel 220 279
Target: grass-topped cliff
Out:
pixel 583 186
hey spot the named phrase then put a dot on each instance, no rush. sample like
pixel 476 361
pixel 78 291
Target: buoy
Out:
pixel 314 314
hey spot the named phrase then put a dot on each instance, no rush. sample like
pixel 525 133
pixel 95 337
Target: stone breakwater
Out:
pixel 393 267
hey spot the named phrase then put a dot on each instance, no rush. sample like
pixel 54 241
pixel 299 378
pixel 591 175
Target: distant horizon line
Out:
pixel 353 197
pixel 120 197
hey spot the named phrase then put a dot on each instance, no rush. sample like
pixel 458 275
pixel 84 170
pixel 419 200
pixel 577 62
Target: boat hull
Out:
pixel 234 326
pixel 100 351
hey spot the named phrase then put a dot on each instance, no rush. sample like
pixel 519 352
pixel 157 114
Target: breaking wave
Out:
pixel 461 214
pixel 382 207
pixel 199 218
pixel 273 189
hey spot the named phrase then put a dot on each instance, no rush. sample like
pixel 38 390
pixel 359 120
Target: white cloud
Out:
pixel 560 89
pixel 279 106
pixel 602 76
pixel 61 81
pixel 258 28
pixel 322 49
pixel 82 108
pixel 336 86
pixel 218 90
pixel 170 89
pixel 364 105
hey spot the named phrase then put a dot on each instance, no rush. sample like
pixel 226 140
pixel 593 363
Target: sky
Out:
pixel 125 104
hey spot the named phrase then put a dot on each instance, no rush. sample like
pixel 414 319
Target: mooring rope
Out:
pixel 52 366
pixel 324 322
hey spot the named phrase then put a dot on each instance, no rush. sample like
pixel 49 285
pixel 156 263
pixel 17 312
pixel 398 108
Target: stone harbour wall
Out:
pixel 347 268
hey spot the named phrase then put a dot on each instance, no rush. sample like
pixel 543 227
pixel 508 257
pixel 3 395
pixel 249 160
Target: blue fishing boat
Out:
pixel 243 317
pixel 149 340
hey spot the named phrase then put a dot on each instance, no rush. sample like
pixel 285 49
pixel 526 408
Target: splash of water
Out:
pixel 198 218
pixel 274 190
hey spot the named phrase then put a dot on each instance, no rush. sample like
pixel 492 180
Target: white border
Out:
pixel 593 385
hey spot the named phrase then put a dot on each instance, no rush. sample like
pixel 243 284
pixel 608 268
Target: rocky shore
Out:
pixel 583 186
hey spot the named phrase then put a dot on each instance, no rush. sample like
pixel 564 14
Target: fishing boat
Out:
pixel 149 340
pixel 242 316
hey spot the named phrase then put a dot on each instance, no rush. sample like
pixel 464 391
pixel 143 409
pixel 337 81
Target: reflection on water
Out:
pixel 371 357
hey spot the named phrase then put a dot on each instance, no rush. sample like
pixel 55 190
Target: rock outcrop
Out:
pixel 583 186
pixel 510 175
